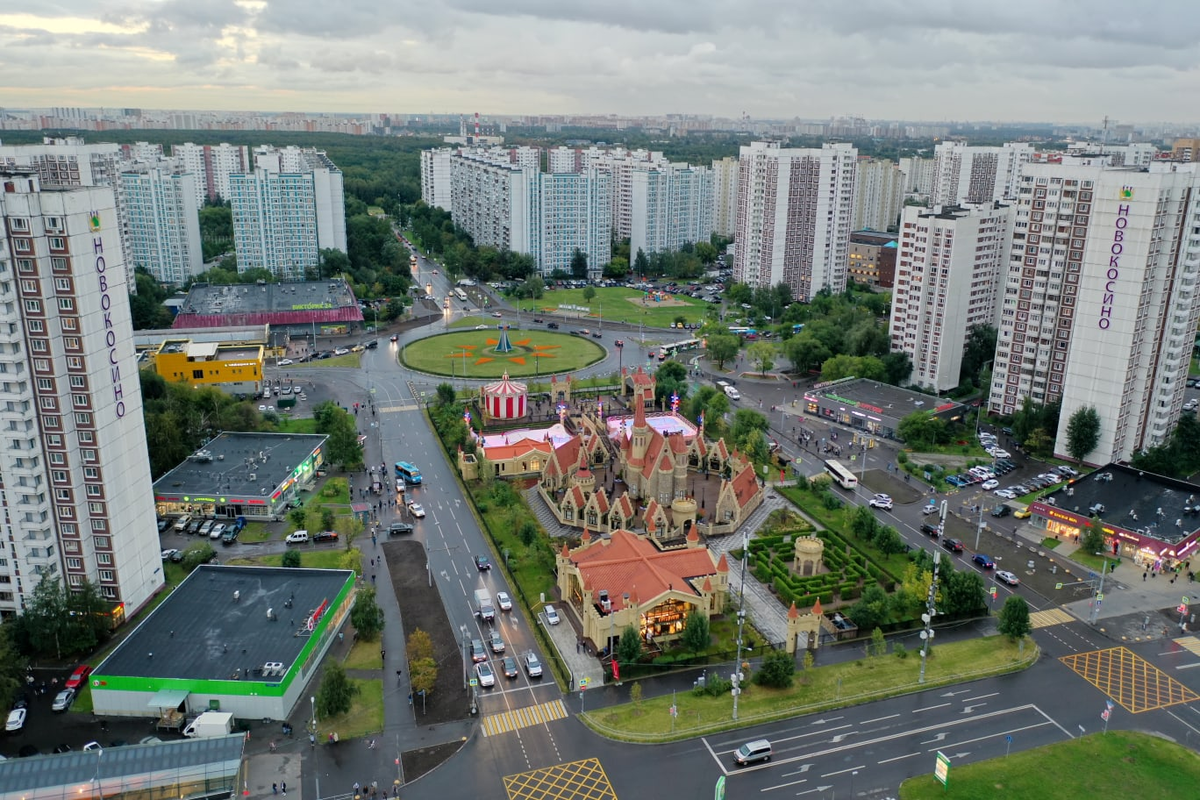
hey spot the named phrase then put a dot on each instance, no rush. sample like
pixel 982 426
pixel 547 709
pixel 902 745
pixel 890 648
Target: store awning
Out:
pixel 168 698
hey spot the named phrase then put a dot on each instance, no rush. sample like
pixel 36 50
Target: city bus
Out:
pixel 408 472
pixel 844 477
pixel 669 350
pixel 460 294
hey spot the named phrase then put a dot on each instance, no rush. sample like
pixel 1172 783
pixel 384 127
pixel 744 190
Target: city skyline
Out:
pixel 992 62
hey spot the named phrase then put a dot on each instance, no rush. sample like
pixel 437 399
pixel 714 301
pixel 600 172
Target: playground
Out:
pixel 492 353
pixel 618 304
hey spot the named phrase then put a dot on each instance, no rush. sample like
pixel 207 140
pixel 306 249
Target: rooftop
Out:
pixel 239 465
pixel 296 303
pixel 887 399
pixel 626 562
pixel 231 639
pixel 121 766
pixel 1152 505
pixel 877 238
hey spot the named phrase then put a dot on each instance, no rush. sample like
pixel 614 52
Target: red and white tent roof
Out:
pixel 505 388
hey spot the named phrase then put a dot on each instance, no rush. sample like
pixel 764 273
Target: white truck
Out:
pixel 210 723
pixel 484 606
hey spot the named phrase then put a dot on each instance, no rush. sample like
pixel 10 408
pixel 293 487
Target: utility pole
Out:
pixel 1099 596
pixel 736 677
pixel 930 612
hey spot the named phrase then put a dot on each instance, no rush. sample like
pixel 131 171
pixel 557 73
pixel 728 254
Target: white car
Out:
pixel 989 484
pixel 732 393
pixel 482 327
pixel 504 601
pixel 1007 577
pixel 881 501
pixel 217 530
pixel 16 720
pixel 286 362
pixel 263 409
pixel 487 678
pixel 998 453
pixel 63 700
pixel 1006 494
pixel 297 537
pixel 552 617
pixel 417 510
pixel 342 351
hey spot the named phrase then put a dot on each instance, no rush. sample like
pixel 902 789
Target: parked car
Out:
pixel 63 700
pixel 195 525
pixel 229 536
pixel 983 561
pixel 1001 511
pixel 552 617
pixel 881 501
pixel 325 536
pixel 953 545
pixel 206 528
pixel 990 484
pixel 1024 513
pixel 533 667
pixel 166 554
pixel 297 537
pixel 400 528
pixel 164 525
pixel 217 530
pixel 182 522
pixel 16 719
pixel 78 677
pixel 487 678
pixel 1005 576
pixel 503 601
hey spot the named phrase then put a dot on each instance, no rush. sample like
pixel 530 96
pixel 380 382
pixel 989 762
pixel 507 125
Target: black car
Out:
pixel 400 529
pixel 597 335
pixel 1001 511
pixel 930 530
pixel 482 563
pixel 538 320
pixel 163 524
pixel 373 344
pixel 325 536
pixel 953 545
pixel 552 325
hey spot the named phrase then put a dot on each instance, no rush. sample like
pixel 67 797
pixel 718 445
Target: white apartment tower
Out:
pixel 918 175
pixel 287 210
pixel 435 177
pixel 948 268
pixel 162 233
pixel 725 183
pixel 878 195
pixel 74 472
pixel 494 201
pixel 794 216
pixel 671 206
pixel 574 212
pixel 212 165
pixel 1100 304
pixel 966 174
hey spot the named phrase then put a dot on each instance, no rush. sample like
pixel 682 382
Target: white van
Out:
pixel 297 537
pixel 732 393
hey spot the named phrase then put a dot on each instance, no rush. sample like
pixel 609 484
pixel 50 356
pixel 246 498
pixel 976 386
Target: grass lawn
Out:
pixel 309 559
pixel 291 425
pixel 472 353
pixel 364 655
pixel 348 360
pixel 971 449
pixel 1050 542
pixel 255 532
pixel 1092 561
pixel 470 322
pixel 839 520
pixel 365 715
pixel 615 304
pixel 1091 766
pixel 822 688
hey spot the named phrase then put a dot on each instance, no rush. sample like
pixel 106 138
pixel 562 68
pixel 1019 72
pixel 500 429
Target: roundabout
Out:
pixel 492 353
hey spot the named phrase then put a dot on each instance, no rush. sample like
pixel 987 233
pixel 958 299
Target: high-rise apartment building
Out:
pixel 574 212
pixel 1100 302
pixel 212 165
pixel 918 175
pixel 435 177
pixel 878 195
pixel 1186 149
pixel 287 210
pixel 74 472
pixel 672 206
pixel 162 222
pixel 794 214
pixel 948 269
pixel 67 162
pixel 966 174
pixel 619 164
pixel 725 183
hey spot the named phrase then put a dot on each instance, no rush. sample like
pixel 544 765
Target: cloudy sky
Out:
pixel 1060 60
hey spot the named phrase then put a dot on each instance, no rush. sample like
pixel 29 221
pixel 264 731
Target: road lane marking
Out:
pixel 843 771
pixel 980 697
pixel 783 785
pixel 1049 617
pixel 523 717
pixel 899 758
pixel 879 719
pixel 930 708
pixel 1009 732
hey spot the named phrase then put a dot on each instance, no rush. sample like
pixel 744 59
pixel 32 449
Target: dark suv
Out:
pixel 400 529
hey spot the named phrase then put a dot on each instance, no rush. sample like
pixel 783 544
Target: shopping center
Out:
pixel 1151 519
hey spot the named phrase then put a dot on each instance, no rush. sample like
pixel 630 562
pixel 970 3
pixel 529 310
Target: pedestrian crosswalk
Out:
pixel 394 409
pixel 1051 616
pixel 496 724
pixel 1189 643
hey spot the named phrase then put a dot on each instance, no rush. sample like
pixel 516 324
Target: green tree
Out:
pixel 706 253
pixel 1091 539
pixel 777 670
pixel 446 394
pixel 1014 618
pixel 589 294
pixel 367 616
pixel 1083 432
pixel 762 354
pixel 641 263
pixel 978 349
pixel 696 635
pixel 635 694
pixel 670 377
pixel 579 264
pixel 879 644
pixel 419 645
pixel 962 592
pixel 722 348
pixel 629 646
pixel 805 350
pixel 872 609
pixel 617 268
pixel 197 554
pixel 332 262
pixel 290 558
pixel 349 528
pixel 422 675
pixel 336 693
pixel 342 446
pixel 12 666
pixel 897 367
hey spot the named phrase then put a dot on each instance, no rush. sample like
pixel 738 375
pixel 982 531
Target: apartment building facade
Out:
pixel 794 215
pixel 1100 306
pixel 725 187
pixel 949 265
pixel 162 222
pixel 212 165
pixel 435 177
pixel 966 174
pixel 287 210
pixel 671 206
pixel 918 175
pixel 74 472
pixel 878 195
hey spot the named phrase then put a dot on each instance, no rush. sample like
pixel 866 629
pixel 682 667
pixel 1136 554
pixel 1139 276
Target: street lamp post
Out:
pixel 736 678
pixel 930 612
pixel 620 349
pixel 312 701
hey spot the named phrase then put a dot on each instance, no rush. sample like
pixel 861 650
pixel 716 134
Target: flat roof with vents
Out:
pixel 238 468
pixel 200 632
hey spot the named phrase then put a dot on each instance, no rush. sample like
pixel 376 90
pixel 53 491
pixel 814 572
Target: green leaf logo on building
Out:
pixel 95 221
pixel 1126 192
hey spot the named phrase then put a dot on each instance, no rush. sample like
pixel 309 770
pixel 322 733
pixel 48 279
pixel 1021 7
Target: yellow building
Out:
pixel 236 368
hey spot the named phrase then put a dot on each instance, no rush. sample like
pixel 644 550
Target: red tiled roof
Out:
pixel 601 501
pixel 723 564
pixel 629 563
pixel 505 452
pixel 625 505
pixel 640 378
pixel 745 486
pixel 350 313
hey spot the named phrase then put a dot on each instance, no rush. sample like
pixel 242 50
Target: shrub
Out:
pixel 777 670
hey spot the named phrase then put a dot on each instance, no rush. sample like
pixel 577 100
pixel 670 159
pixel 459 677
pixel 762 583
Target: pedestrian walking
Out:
pixel 1144 574
pixel 274 788
pixel 283 787
pixel 382 654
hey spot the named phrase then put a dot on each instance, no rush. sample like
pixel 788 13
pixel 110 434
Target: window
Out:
pixel 78 382
pixel 100 542
pixel 33 306
pixel 36 326
pixel 96 508
pixel 106 575
pixel 93 490
pixel 66 304
pixel 104 558
pixel 62 284
pixel 58 243
pixel 87 453
pixel 83 419
pixel 80 400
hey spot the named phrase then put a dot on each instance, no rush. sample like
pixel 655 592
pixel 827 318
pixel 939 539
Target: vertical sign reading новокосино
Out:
pixel 1114 260
pixel 110 334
